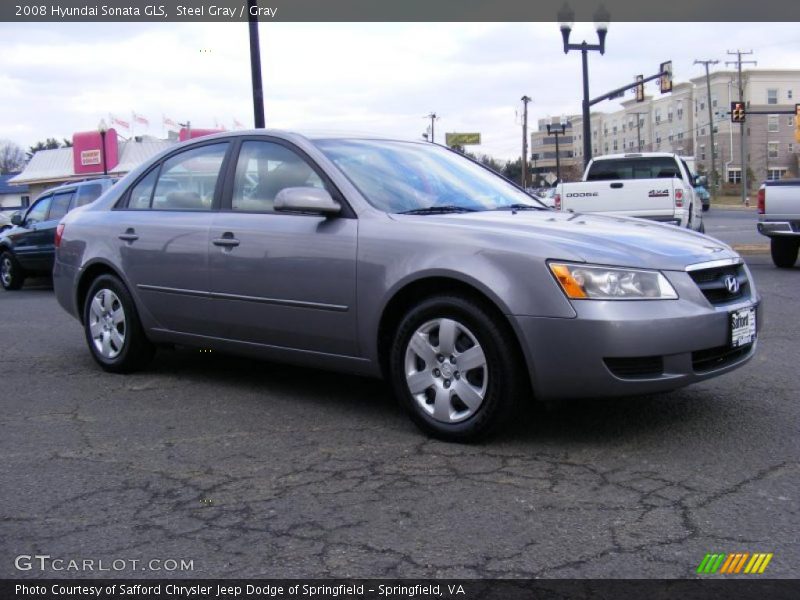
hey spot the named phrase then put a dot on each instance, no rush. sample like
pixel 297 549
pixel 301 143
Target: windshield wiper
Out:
pixel 520 206
pixel 436 210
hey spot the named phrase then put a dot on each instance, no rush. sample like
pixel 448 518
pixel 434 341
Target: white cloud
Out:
pixel 381 77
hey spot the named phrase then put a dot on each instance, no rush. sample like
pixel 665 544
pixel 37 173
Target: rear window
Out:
pixel 634 168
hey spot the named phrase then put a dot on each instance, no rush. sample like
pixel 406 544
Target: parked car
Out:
pixel 401 259
pixel 702 193
pixel 651 185
pixel 28 247
pixel 779 219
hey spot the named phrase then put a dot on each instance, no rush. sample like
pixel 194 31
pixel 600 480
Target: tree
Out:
pixel 48 144
pixel 12 158
pixel 513 169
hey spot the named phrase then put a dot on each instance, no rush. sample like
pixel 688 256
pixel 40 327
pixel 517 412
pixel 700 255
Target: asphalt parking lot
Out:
pixel 260 470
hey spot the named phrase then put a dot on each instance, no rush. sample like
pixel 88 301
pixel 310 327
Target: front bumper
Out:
pixel 620 348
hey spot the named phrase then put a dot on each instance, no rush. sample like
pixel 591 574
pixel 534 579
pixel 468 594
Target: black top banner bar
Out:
pixel 400 10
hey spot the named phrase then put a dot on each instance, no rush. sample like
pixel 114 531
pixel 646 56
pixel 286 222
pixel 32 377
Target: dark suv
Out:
pixel 29 247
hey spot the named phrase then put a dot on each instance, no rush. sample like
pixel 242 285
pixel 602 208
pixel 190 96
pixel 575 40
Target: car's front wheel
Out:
pixel 114 333
pixel 784 251
pixel 455 369
pixel 11 274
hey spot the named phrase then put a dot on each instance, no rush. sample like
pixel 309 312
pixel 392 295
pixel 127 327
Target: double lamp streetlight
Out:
pixel 566 19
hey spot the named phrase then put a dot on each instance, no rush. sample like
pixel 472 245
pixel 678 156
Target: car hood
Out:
pixel 601 239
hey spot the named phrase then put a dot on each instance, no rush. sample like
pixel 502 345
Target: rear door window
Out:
pixel 142 192
pixel 60 205
pixel 188 180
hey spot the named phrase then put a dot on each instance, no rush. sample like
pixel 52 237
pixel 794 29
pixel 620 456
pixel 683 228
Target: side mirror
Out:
pixel 16 218
pixel 307 200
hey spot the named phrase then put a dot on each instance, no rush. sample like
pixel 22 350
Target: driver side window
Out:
pixel 264 169
pixel 38 212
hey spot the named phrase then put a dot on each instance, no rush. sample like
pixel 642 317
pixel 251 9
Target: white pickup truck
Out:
pixel 779 219
pixel 650 185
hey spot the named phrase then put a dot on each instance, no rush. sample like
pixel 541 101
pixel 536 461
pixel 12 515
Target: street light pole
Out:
pixel 566 17
pixel 103 129
pixel 561 130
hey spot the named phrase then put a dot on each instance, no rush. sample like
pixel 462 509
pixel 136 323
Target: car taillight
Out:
pixel 59 233
pixel 557 200
pixel 762 201
pixel 679 197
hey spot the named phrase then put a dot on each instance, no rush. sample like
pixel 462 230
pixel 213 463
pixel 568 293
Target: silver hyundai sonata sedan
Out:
pixel 398 259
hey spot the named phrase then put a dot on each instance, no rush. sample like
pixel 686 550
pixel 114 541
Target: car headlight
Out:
pixel 587 282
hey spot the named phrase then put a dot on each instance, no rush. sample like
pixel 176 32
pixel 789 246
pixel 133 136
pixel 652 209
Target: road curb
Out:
pixel 749 249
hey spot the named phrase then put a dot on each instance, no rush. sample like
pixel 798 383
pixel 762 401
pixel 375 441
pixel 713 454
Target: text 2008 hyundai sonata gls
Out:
pixel 401 259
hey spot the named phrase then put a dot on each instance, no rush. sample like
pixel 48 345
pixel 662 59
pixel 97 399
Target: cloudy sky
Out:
pixel 56 79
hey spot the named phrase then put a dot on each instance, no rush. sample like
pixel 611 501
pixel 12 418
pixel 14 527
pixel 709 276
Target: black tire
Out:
pixel 136 350
pixel 12 275
pixel 506 372
pixel 784 251
pixel 706 207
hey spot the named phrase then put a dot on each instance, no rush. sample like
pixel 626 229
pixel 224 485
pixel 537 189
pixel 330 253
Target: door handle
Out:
pixel 617 185
pixel 129 235
pixel 226 241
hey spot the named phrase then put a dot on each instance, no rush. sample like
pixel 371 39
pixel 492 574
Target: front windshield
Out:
pixel 399 177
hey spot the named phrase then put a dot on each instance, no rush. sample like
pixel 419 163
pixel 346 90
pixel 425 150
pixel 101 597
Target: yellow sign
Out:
pixel 462 139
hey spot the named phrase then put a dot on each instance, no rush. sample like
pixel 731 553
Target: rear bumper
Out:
pixel 64 285
pixel 630 348
pixel 779 228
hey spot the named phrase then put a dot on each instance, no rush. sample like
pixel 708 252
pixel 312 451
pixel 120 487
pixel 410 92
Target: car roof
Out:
pixel 636 155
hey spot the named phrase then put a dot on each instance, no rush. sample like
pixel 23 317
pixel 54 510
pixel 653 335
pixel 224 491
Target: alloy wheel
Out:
pixel 446 370
pixel 107 323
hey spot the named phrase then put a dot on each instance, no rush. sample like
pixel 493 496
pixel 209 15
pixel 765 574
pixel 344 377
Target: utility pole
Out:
pixel 714 182
pixel 255 65
pixel 525 100
pixel 743 131
pixel 639 127
pixel 433 117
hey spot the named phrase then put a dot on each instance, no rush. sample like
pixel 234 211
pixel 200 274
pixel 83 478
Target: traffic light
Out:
pixel 797 123
pixel 666 77
pixel 738 112
pixel 639 88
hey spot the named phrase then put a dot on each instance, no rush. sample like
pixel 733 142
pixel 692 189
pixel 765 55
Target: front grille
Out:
pixel 638 367
pixel 715 358
pixel 713 283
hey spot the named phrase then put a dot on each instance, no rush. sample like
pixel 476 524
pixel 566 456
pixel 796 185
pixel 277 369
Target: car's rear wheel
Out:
pixel 11 274
pixel 784 251
pixel 453 369
pixel 113 330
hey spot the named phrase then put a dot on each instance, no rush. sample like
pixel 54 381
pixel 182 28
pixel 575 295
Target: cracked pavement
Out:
pixel 261 470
